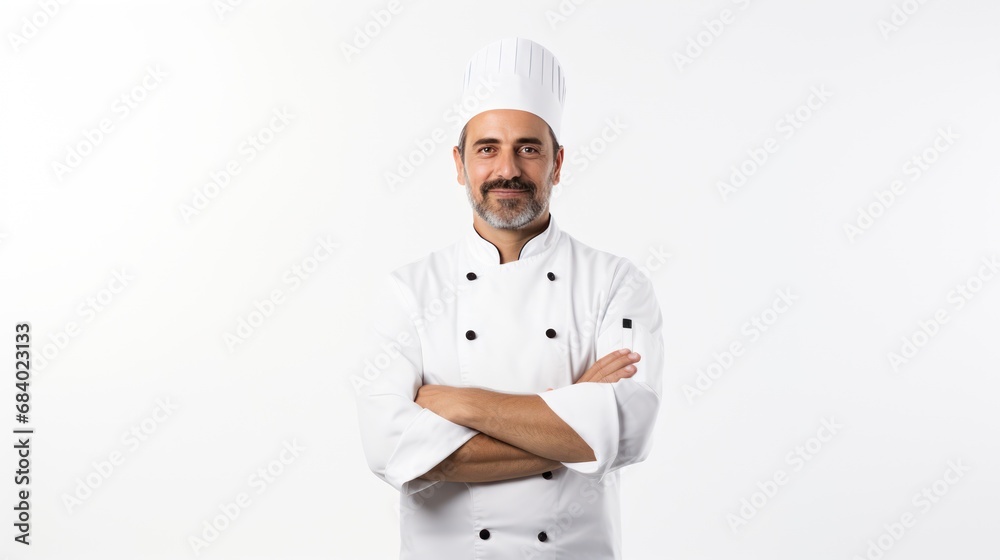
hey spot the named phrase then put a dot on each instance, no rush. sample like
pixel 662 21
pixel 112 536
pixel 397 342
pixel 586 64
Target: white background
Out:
pixel 653 188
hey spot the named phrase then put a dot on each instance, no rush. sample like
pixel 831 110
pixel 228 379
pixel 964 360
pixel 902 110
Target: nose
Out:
pixel 506 165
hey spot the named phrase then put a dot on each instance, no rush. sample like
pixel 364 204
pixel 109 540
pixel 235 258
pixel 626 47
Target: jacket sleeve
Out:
pixel 401 439
pixel 617 419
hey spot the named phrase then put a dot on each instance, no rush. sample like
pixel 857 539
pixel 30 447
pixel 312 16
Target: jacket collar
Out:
pixel 487 252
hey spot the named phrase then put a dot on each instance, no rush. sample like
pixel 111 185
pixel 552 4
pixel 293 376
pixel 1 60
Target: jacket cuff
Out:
pixel 428 440
pixel 591 409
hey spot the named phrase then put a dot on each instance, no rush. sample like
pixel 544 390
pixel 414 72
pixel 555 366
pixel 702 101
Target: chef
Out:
pixel 510 376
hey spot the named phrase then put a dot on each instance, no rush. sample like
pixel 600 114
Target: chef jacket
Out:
pixel 458 317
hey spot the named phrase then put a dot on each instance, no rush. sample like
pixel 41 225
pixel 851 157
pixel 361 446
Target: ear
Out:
pixel 459 166
pixel 558 167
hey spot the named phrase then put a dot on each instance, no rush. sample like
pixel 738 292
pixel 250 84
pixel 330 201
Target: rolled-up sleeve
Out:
pixel 617 419
pixel 401 439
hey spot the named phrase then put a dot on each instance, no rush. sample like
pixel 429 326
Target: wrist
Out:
pixel 473 407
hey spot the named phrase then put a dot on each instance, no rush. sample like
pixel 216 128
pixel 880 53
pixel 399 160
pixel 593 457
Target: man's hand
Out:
pixel 610 368
pixel 616 365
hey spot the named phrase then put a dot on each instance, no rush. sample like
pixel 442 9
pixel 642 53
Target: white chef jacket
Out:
pixel 458 317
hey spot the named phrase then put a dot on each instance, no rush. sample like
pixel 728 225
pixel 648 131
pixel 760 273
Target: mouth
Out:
pixel 507 192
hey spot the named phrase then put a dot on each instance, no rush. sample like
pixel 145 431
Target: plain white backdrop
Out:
pixel 195 200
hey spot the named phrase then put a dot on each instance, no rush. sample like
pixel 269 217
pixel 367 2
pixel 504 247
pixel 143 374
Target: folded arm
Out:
pixel 487 459
pixel 524 421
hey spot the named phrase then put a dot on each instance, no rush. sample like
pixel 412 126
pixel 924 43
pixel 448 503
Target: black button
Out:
pixel 551 333
pixel 547 475
pixel 551 276
pixel 542 536
pixel 471 335
pixel 471 276
pixel 484 534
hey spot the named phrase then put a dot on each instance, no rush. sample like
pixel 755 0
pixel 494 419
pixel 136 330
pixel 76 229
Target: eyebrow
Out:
pixel 497 141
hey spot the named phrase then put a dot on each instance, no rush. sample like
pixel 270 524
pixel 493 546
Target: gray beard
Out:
pixel 505 218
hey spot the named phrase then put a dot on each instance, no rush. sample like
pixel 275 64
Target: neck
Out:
pixel 510 241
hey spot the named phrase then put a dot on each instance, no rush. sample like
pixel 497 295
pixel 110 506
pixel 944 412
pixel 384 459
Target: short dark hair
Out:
pixel 461 142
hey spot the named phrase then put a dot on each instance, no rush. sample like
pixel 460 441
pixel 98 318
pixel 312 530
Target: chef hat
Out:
pixel 516 73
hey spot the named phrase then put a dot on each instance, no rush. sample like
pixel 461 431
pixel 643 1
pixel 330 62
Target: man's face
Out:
pixel 509 168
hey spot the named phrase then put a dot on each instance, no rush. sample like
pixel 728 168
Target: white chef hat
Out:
pixel 516 73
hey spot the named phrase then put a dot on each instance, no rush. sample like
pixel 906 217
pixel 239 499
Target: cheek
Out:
pixel 476 172
pixel 543 174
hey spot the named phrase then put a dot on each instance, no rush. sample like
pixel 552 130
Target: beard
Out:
pixel 507 213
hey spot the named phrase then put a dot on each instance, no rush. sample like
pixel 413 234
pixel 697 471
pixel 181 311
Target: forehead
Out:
pixel 506 124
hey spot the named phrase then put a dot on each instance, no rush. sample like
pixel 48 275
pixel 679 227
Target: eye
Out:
pixel 532 148
pixel 486 148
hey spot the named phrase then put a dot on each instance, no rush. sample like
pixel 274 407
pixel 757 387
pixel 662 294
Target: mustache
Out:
pixel 515 184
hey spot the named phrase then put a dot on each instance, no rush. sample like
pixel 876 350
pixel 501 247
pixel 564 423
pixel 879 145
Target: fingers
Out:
pixel 598 369
pixel 611 357
pixel 601 367
pixel 612 367
pixel 620 366
pixel 626 371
